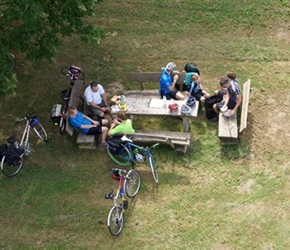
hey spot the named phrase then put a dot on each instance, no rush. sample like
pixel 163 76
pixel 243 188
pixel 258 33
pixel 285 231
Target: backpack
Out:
pixel 115 144
pixel 13 155
pixel 191 67
pixel 208 105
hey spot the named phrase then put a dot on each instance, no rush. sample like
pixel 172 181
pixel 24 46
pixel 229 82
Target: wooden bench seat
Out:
pixel 180 141
pixel 228 127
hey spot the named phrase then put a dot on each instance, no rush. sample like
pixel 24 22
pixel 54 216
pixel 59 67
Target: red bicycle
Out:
pixel 129 185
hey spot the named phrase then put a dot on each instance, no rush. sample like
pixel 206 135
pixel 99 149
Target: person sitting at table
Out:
pixel 195 88
pixel 232 99
pixel 88 126
pixel 222 91
pixel 168 79
pixel 121 125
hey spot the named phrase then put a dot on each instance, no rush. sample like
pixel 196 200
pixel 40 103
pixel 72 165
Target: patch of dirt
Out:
pixel 268 118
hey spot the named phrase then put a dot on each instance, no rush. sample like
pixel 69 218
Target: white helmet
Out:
pixel 170 66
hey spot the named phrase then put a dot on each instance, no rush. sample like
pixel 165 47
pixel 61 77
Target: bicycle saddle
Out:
pixel 110 195
pixel 125 138
pixel 12 139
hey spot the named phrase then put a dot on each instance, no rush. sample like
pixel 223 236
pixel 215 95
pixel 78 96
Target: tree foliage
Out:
pixel 35 28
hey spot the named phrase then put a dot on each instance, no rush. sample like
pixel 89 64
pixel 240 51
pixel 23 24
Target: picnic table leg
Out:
pixel 185 124
pixel 131 117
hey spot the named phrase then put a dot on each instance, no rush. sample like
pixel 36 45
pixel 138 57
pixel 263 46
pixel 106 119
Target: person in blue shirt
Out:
pixel 88 126
pixel 168 79
pixel 192 80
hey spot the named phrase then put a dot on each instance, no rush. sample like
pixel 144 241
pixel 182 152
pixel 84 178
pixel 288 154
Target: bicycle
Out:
pixel 125 152
pixel 13 153
pixel 129 185
pixel 74 73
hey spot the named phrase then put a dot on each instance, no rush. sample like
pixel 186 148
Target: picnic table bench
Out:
pixel 228 127
pixel 83 140
pixel 179 141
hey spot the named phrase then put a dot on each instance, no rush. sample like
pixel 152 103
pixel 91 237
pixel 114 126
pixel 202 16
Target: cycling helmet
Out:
pixel 191 101
pixel 115 175
pixel 185 110
pixel 34 121
pixel 170 66
pixel 173 107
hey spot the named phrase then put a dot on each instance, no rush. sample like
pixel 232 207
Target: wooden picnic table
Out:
pixel 155 107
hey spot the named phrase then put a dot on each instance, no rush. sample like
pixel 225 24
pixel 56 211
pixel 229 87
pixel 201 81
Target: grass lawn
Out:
pixel 214 197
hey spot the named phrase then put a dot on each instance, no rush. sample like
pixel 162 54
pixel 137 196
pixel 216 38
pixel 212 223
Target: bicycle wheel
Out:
pixel 153 167
pixel 11 169
pixel 123 158
pixel 40 132
pixel 65 71
pixel 116 220
pixel 132 183
pixel 62 124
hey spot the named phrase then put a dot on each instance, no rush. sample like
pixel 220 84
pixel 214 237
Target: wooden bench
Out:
pixel 83 141
pixel 228 127
pixel 147 77
pixel 180 141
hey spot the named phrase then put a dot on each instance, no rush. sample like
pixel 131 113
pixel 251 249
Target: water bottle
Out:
pixel 164 102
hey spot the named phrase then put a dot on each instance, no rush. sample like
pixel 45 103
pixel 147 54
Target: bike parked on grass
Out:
pixel 129 185
pixel 13 153
pixel 124 152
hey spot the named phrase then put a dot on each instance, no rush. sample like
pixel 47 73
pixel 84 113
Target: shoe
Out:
pixel 214 119
pixel 105 144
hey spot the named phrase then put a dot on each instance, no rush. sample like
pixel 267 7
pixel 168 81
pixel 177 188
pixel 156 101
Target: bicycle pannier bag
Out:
pixel 3 149
pixel 115 144
pixel 55 114
pixel 13 155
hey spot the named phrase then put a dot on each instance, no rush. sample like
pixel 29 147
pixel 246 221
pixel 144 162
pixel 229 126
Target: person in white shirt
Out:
pixel 96 100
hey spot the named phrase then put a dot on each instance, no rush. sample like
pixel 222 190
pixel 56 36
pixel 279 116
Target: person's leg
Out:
pixel 217 106
pixel 104 134
pixel 96 112
pixel 104 122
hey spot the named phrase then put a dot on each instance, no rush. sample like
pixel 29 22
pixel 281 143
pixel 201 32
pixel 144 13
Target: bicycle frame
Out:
pixel 131 147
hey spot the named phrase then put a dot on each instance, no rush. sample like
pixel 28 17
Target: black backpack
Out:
pixel 191 67
pixel 115 144
pixel 208 105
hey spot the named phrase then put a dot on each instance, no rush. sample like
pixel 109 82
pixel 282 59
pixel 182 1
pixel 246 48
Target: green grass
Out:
pixel 214 197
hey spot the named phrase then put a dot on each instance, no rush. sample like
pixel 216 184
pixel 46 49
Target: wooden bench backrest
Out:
pixel 245 105
pixel 74 101
pixel 143 77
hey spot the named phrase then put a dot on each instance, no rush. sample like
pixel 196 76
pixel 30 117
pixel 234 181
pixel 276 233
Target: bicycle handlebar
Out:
pixel 28 116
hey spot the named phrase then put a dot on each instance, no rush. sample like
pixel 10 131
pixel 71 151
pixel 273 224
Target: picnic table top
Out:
pixel 154 106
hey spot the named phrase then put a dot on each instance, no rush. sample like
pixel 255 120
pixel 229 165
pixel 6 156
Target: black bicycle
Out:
pixel 74 73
